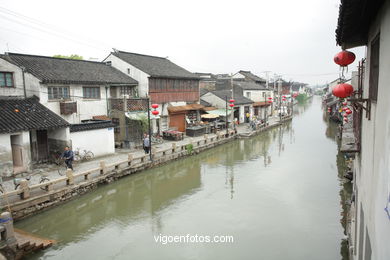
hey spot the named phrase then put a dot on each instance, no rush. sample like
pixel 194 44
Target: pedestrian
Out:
pixel 247 117
pixel 68 155
pixel 146 143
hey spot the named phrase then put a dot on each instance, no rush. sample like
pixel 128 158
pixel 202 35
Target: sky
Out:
pixel 294 39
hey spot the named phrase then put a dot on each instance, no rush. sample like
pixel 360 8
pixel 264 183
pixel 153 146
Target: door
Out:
pixel 42 145
pixel 17 150
pixel 178 121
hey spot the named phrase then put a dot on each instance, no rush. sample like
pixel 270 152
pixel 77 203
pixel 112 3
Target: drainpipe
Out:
pixel 24 83
pixel 107 101
pixel 150 132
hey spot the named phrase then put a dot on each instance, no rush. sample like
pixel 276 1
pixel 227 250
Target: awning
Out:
pixel 219 112
pixel 261 104
pixel 140 115
pixel 177 109
pixel 209 116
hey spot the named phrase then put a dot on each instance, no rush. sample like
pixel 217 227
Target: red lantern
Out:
pixel 348 111
pixel 270 101
pixel 345 103
pixel 342 90
pixel 231 105
pixel 284 99
pixel 231 100
pixel 344 58
pixel 154 106
pixel 270 98
pixel 155 112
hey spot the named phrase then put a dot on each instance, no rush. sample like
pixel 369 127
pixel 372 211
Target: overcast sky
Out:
pixel 295 39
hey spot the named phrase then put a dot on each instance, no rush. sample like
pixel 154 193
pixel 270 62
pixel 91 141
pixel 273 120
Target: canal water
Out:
pixel 277 195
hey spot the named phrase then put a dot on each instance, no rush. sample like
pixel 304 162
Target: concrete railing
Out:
pixel 133 162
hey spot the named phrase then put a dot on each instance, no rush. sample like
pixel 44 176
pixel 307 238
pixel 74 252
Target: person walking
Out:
pixel 146 143
pixel 68 155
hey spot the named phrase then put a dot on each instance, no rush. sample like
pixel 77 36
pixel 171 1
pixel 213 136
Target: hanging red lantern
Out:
pixel 283 96
pixel 231 105
pixel 270 101
pixel 270 98
pixel 342 90
pixel 231 100
pixel 348 111
pixel 284 99
pixel 155 112
pixel 154 106
pixel 344 58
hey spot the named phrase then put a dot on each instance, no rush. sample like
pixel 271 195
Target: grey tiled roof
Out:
pixel 69 71
pixel 24 114
pixel 251 76
pixel 155 66
pixel 239 99
pixel 203 91
pixel 249 85
pixel 91 125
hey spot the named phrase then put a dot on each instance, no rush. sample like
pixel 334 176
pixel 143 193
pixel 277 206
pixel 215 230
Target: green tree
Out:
pixel 72 56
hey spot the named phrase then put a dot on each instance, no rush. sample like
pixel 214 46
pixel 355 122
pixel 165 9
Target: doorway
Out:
pixel 17 152
pixel 42 145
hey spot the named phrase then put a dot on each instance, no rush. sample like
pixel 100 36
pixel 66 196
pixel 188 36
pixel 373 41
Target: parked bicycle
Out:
pixel 43 179
pixel 83 155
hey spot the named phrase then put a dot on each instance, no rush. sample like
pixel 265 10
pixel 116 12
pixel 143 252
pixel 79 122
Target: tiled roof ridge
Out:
pixel 50 57
pixel 140 54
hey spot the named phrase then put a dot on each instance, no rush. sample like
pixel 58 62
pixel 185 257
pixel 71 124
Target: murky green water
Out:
pixel 277 194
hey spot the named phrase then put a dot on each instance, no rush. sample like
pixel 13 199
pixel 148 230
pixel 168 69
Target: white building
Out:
pixel 76 90
pixel 367 23
pixel 166 83
pixel 242 105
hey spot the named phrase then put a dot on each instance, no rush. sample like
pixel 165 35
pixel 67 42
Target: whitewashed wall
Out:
pixel 99 141
pixel 373 163
pixel 135 73
pixel 86 108
pixel 31 82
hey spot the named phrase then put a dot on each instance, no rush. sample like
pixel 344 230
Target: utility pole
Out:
pixel 227 131
pixel 150 132
pixel 280 99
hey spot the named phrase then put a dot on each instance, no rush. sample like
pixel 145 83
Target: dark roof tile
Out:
pixel 155 66
pixel 24 114
pixel 69 71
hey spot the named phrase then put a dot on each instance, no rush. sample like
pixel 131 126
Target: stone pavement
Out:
pixel 51 171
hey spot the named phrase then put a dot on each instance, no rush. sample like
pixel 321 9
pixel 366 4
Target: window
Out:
pixel 91 92
pixel 128 90
pixel 248 94
pixel 263 93
pixel 58 92
pixel 6 79
pixel 374 69
pixel 128 71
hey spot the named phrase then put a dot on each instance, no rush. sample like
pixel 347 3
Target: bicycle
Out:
pixel 83 155
pixel 42 180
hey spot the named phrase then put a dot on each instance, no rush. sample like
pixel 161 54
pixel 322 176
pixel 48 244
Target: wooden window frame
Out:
pixel 50 93
pixel 87 95
pixel 3 74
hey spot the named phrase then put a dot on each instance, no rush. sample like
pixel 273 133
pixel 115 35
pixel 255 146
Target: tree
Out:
pixel 72 56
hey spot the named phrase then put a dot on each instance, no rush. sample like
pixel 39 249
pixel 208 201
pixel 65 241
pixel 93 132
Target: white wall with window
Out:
pixel 91 100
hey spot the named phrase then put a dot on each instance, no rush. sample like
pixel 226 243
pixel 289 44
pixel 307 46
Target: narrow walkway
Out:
pixel 51 172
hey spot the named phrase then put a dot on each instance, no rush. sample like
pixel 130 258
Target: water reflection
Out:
pixel 276 193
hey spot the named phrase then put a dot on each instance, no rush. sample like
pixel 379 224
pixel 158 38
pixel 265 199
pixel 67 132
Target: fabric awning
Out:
pixel 219 112
pixel 209 116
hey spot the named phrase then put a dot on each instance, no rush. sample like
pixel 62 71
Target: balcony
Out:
pixel 128 104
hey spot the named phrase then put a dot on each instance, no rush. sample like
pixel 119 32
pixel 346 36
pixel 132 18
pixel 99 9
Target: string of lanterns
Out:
pixel 343 59
pixel 231 103
pixel 155 111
